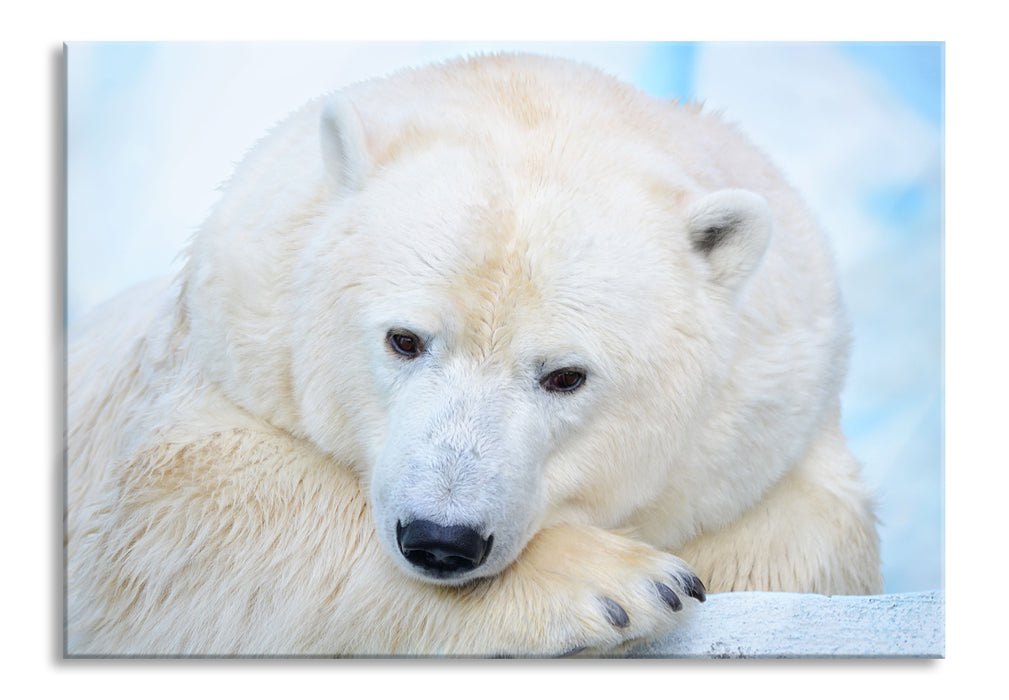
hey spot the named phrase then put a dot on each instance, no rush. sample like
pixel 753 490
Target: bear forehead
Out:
pixel 524 190
pixel 481 99
pixel 535 267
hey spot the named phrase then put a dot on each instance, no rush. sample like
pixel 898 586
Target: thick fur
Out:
pixel 243 440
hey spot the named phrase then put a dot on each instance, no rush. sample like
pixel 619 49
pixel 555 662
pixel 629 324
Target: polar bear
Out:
pixel 496 356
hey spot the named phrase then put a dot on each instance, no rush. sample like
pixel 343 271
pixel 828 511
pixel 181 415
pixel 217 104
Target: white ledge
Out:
pixel 775 625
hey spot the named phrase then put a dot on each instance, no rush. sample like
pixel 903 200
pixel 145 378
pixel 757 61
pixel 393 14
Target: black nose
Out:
pixel 442 550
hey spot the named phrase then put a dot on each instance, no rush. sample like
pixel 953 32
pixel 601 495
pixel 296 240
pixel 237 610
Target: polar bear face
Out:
pixel 514 337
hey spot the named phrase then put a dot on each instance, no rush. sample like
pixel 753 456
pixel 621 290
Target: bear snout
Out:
pixel 442 551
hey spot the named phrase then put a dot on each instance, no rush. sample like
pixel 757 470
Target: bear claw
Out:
pixel 616 614
pixel 695 589
pixel 669 596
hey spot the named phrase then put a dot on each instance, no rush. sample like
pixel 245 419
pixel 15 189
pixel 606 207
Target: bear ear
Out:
pixel 731 228
pixel 344 148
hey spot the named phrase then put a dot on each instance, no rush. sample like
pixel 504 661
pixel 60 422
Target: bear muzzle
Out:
pixel 442 551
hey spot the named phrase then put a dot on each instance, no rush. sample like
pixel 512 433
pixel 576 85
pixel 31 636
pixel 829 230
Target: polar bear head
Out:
pixel 501 297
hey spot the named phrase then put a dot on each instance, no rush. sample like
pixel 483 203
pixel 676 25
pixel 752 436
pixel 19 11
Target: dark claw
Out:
pixel 694 588
pixel 669 596
pixel 616 614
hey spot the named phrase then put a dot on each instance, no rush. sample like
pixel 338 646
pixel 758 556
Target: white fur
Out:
pixel 741 222
pixel 342 140
pixel 243 441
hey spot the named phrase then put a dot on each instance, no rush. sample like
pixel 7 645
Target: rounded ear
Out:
pixel 344 147
pixel 732 229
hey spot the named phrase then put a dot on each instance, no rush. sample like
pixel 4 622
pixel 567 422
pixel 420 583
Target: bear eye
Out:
pixel 405 343
pixel 567 379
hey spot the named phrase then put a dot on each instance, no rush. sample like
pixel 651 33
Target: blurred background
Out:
pixel 153 129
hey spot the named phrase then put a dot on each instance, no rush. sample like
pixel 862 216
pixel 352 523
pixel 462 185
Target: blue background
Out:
pixel 857 128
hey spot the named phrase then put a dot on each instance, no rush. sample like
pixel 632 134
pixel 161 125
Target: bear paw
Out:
pixel 581 590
